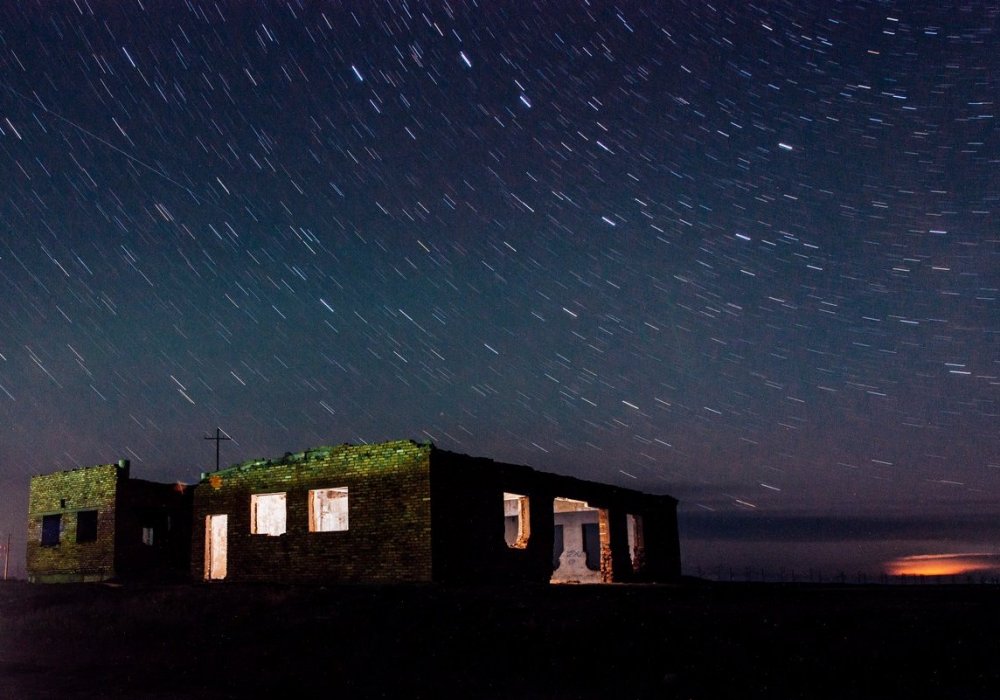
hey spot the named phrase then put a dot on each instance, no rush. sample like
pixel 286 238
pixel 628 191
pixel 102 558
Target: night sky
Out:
pixel 748 255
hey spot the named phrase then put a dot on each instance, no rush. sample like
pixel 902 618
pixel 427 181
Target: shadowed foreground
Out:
pixel 689 641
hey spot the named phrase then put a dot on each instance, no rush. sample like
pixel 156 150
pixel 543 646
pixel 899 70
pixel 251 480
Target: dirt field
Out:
pixel 690 641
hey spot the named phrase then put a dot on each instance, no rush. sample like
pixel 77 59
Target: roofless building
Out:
pixel 96 523
pixel 404 511
pixel 391 512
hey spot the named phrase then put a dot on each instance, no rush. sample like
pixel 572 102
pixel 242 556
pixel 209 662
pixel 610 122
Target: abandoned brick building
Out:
pixel 391 512
pixel 96 523
pixel 403 511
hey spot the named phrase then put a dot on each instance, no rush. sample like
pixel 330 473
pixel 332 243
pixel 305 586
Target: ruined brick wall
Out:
pixel 389 515
pixel 66 494
pixel 662 550
pixel 468 523
pixel 153 530
pixel 468 517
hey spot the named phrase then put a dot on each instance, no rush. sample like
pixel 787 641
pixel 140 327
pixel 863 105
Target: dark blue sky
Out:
pixel 747 255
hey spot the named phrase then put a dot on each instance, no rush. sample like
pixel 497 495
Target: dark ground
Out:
pixel 696 640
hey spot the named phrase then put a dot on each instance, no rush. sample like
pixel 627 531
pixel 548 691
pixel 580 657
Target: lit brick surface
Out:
pixel 66 493
pixel 389 514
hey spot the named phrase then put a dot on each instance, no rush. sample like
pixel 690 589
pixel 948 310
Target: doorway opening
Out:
pixel 216 531
pixel 580 545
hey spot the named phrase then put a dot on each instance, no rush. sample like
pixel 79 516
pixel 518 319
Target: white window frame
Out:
pixel 275 516
pixel 329 513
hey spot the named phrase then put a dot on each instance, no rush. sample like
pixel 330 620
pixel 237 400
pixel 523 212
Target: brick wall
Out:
pixel 662 550
pixel 389 514
pixel 468 511
pixel 66 494
pixel 468 517
pixel 153 530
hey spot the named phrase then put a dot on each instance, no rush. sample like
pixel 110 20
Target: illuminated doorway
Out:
pixel 216 530
pixel 577 555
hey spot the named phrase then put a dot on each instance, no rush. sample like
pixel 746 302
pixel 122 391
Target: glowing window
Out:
pixel 267 514
pixel 328 510
pixel 517 527
pixel 147 536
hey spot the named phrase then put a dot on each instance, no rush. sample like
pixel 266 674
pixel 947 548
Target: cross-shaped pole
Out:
pixel 219 437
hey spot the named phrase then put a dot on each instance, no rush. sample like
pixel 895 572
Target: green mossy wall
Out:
pixel 91 488
pixel 389 514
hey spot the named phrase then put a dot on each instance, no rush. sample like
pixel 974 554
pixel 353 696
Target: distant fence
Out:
pixel 749 574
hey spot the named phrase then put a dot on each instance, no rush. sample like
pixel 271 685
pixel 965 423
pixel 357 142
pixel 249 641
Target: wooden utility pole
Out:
pixel 6 557
pixel 219 437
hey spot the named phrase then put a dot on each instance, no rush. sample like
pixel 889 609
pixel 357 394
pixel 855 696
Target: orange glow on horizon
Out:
pixel 942 564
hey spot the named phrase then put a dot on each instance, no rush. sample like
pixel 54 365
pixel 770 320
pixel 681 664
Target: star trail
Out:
pixel 746 254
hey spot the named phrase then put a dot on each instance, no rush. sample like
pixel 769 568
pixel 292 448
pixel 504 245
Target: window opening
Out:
pixel 86 526
pixel 636 542
pixel 517 520
pixel 147 536
pixel 51 525
pixel 328 510
pixel 267 514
